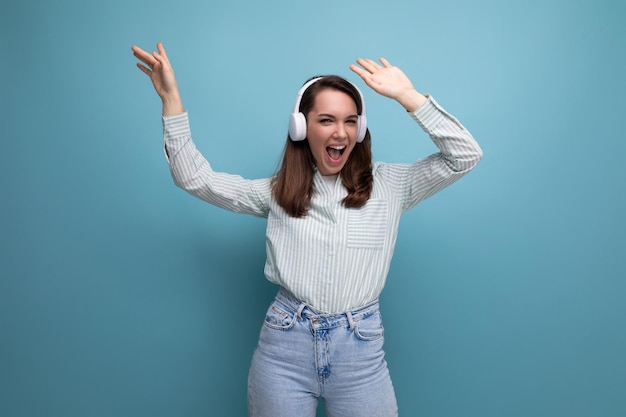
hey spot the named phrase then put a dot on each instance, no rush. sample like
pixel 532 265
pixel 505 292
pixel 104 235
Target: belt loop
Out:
pixel 299 311
pixel 351 322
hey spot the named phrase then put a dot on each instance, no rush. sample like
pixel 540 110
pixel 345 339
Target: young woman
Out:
pixel 332 221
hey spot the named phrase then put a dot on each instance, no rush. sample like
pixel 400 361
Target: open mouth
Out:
pixel 335 152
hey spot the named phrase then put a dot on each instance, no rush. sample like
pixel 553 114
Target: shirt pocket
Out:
pixel 367 225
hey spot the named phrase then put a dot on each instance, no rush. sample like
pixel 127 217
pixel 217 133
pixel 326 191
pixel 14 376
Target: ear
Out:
pixel 297 127
pixel 362 128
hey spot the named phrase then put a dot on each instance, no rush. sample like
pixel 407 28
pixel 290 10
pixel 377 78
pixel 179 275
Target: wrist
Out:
pixel 172 104
pixel 412 100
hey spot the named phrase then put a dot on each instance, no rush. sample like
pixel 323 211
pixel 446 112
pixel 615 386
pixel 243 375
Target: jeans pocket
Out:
pixel 370 328
pixel 279 317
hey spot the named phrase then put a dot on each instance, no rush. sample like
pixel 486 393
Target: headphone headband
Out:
pixel 297 122
pixel 296 106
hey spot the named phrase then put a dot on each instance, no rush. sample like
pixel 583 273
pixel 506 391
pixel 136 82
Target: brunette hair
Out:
pixel 293 186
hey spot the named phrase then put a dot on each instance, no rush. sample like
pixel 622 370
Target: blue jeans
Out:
pixel 304 354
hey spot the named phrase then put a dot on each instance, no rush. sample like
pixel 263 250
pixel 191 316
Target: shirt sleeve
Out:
pixel 458 154
pixel 193 173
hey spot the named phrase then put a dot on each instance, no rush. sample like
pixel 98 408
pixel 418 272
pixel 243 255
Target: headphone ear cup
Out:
pixel 362 128
pixel 297 127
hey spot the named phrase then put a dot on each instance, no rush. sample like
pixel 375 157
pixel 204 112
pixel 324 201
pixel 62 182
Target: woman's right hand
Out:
pixel 157 66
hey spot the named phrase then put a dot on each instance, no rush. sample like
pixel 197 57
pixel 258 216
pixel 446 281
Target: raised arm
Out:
pixel 458 151
pixel 189 168
pixel 156 65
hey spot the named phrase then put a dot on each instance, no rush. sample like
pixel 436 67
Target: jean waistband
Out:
pixel 321 319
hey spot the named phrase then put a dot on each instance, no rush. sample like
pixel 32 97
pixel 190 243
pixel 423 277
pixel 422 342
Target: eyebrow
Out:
pixel 334 117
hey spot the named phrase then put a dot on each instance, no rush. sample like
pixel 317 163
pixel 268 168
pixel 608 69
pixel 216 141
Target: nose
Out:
pixel 341 132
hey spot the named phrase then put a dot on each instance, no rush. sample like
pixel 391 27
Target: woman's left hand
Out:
pixel 389 81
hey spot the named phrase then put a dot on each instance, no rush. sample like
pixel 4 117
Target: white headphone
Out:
pixel 297 122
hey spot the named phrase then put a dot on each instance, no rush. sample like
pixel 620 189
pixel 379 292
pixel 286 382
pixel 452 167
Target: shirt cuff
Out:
pixel 176 125
pixel 429 114
pixel 176 132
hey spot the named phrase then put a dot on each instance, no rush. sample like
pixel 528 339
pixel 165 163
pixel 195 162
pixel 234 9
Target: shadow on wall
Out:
pixel 209 307
pixel 236 296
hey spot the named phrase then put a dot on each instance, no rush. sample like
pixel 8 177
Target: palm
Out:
pixel 386 80
pixel 163 79
pixel 158 68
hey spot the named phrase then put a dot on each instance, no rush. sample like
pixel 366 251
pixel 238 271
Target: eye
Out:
pixel 351 121
pixel 325 121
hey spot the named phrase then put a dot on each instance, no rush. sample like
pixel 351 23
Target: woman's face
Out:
pixel 332 126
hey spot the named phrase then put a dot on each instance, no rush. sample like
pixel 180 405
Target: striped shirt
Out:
pixel 334 259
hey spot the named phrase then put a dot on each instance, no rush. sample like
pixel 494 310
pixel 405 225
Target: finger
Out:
pixel 144 69
pixel 159 59
pixel 368 64
pixel 137 50
pixel 142 55
pixel 145 57
pixel 373 65
pixel 385 63
pixel 161 49
pixel 366 76
pixel 359 71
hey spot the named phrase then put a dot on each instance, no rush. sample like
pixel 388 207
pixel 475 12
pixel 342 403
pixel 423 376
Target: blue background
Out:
pixel 120 295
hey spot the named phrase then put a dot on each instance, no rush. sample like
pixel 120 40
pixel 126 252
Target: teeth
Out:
pixel 338 147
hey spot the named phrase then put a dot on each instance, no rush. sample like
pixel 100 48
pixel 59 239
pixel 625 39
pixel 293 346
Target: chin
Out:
pixel 331 171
